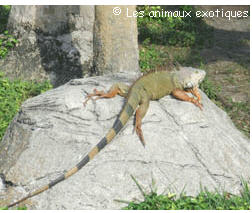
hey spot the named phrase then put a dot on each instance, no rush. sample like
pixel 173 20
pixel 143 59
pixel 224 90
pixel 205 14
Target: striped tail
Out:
pixel 126 113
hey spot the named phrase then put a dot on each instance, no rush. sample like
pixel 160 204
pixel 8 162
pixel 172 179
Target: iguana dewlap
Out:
pixel 151 86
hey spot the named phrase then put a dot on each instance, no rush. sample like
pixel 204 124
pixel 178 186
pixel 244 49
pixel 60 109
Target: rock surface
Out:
pixel 185 147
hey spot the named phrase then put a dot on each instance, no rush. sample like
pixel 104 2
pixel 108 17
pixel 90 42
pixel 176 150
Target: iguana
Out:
pixel 151 86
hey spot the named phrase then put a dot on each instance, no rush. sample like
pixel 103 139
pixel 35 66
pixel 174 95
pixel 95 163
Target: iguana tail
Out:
pixel 124 116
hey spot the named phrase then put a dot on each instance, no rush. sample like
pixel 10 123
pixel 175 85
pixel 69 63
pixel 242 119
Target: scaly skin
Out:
pixel 152 86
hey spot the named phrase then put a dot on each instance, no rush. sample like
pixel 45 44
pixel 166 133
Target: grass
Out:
pixel 18 208
pixel 150 56
pixel 12 94
pixel 4 14
pixel 186 31
pixel 205 200
pixel 210 89
pixel 7 41
pixel 238 111
pixel 157 36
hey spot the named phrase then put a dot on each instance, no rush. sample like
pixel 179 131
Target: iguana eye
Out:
pixel 189 85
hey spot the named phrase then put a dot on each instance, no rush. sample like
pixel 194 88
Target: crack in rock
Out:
pixel 168 113
pixel 180 165
pixel 198 157
pixel 222 175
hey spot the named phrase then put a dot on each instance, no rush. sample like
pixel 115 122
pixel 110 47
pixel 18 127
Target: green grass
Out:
pixel 18 208
pixel 182 31
pixel 167 32
pixel 205 200
pixel 210 89
pixel 150 56
pixel 7 41
pixel 12 94
pixel 237 112
pixel 4 14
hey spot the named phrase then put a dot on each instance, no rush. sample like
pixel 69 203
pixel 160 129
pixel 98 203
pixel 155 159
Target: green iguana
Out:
pixel 151 86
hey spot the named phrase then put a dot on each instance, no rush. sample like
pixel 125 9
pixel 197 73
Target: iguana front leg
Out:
pixel 116 89
pixel 195 92
pixel 181 95
pixel 140 113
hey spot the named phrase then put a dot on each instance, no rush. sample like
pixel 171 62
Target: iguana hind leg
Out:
pixel 140 113
pixel 181 95
pixel 116 89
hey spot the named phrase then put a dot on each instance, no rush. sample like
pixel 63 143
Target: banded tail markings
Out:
pixel 102 144
pixel 83 162
pixel 126 113
pixel 93 152
pixel 57 180
pixel 38 191
pixel 129 109
pixel 117 126
pixel 111 134
pixel 71 172
pixel 124 116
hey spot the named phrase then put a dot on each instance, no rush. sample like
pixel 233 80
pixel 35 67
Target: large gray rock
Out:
pixel 185 148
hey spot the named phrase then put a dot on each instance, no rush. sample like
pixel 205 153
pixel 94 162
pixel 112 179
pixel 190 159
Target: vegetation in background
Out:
pixel 204 200
pixel 7 41
pixel 149 55
pixel 173 40
pixel 156 32
pixel 210 89
pixel 182 31
pixel 238 112
pixel 4 15
pixel 12 94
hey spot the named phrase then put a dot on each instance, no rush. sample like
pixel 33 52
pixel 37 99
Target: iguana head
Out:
pixel 189 77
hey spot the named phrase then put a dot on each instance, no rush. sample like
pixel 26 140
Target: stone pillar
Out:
pixel 115 40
